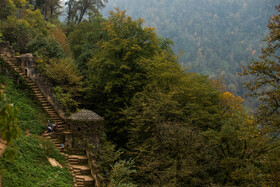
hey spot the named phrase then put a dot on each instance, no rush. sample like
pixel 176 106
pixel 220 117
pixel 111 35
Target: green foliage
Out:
pixel 50 150
pixel 7 8
pixel 32 167
pixel 118 70
pixel 213 37
pixel 36 21
pixel 67 81
pixel 107 156
pixel 8 119
pixel 49 8
pixel 65 100
pixel 244 152
pixel 1 37
pixel 115 172
pixel 20 31
pixel 13 30
pixel 265 72
pixel 171 111
pixel 120 173
pixel 77 10
pixel 83 48
pixel 8 124
pixel 45 47
pixel 28 109
pixel 64 72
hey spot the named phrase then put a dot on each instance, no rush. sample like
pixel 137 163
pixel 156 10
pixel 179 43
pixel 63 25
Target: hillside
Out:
pixel 30 166
pixel 136 116
pixel 212 37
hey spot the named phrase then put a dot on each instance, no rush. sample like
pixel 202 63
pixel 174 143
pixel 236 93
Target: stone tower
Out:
pixel 82 128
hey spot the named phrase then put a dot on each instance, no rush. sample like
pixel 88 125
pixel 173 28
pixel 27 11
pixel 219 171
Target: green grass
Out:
pixel 31 167
pixel 31 115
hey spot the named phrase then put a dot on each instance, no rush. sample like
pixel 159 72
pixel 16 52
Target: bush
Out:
pixel 45 47
pixel 17 32
pixel 65 100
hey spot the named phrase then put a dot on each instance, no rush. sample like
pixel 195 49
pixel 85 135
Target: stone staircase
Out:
pixel 77 164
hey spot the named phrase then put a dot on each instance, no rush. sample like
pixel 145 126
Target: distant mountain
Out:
pixel 213 37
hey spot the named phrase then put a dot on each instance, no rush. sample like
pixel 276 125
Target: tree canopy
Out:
pixel 265 76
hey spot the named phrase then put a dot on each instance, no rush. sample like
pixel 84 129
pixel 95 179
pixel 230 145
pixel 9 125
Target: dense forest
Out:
pixel 212 37
pixel 164 125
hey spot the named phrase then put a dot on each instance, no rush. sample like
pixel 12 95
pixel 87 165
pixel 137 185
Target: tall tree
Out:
pixel 118 70
pixel 266 74
pixel 83 48
pixel 48 8
pixel 165 124
pixel 78 9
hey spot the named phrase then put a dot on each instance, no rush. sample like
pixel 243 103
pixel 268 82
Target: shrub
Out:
pixel 45 47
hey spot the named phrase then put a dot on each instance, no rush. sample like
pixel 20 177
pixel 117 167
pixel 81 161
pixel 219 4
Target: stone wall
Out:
pixel 83 133
pixel 94 169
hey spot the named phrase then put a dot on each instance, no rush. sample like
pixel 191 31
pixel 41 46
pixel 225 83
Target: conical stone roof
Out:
pixel 85 115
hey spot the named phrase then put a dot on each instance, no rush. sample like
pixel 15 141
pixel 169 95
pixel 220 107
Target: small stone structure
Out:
pixel 82 128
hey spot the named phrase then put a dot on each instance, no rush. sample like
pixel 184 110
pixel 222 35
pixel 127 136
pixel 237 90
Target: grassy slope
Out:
pixel 31 115
pixel 31 167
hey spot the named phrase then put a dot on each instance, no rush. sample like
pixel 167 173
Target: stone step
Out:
pixel 81 169
pixel 59 124
pixel 48 107
pixel 40 96
pixel 87 179
pixel 78 185
pixel 55 141
pixel 53 118
pixel 57 144
pixel 44 102
pixel 80 157
pixel 37 92
pixel 53 115
pixel 77 160
pixel 51 111
pixel 73 163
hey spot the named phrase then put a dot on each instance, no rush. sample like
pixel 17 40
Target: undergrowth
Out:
pixel 31 115
pixel 31 168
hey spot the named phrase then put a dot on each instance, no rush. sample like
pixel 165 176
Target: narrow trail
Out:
pixel 78 164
